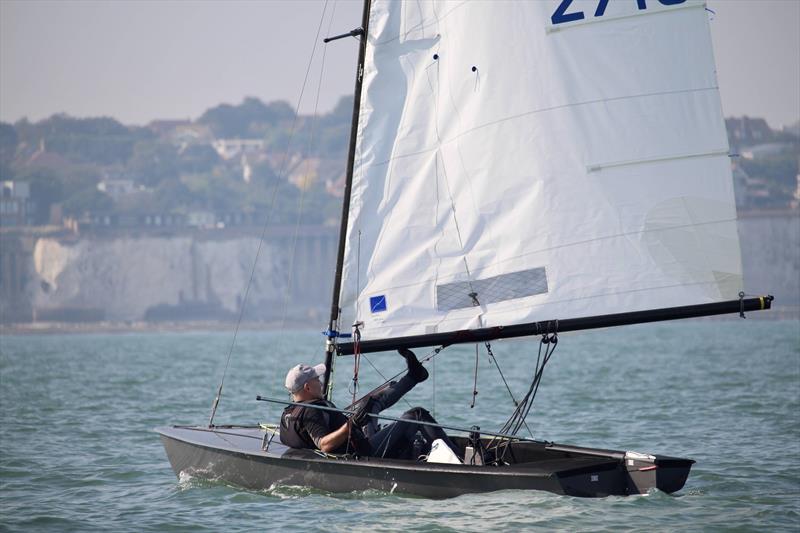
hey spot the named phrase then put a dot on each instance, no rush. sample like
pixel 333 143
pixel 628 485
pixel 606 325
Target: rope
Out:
pixel 497 365
pixel 215 403
pixel 309 151
pixel 386 381
pixel 517 419
pixel 356 358
pixel 475 381
pixel 433 386
pixel 425 359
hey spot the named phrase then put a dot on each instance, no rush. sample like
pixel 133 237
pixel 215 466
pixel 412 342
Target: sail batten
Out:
pixel 713 153
pixel 502 181
pixel 521 115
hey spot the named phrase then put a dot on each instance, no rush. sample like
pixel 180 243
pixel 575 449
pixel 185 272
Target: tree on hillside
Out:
pixel 197 158
pixel 8 148
pixel 8 143
pixel 98 140
pixel 88 200
pixel 341 114
pixel 153 162
pixel 173 195
pixel 46 189
pixel 245 120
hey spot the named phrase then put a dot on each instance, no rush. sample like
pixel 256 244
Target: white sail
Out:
pixel 525 161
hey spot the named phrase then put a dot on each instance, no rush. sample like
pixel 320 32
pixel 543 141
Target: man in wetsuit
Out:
pixel 333 432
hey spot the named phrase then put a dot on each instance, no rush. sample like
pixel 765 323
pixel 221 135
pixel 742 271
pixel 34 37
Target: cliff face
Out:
pixel 200 277
pixel 136 278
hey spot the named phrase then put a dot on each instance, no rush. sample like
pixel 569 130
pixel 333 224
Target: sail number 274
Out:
pixel 560 15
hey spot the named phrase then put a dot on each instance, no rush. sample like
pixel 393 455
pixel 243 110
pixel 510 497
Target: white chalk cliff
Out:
pixel 124 277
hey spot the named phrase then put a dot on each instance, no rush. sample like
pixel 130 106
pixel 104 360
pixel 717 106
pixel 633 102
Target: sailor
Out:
pixel 333 432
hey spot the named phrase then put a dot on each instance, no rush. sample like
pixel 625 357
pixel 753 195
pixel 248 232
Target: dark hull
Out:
pixel 235 455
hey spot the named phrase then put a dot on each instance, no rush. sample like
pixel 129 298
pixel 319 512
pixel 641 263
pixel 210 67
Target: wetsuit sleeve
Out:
pixel 317 425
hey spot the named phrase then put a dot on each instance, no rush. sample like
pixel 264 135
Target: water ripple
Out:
pixel 78 452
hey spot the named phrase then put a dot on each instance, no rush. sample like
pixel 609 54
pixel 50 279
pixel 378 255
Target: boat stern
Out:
pixel 645 472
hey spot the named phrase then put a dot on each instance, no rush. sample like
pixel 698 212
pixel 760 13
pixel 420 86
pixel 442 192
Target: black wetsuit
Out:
pixel 304 427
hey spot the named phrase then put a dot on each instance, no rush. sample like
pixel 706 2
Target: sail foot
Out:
pixel 554 326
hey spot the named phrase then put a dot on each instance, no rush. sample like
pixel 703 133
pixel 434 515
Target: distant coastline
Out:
pixel 124 327
pixel 777 313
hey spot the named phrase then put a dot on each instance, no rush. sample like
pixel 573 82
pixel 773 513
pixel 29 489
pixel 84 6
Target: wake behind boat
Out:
pixel 515 169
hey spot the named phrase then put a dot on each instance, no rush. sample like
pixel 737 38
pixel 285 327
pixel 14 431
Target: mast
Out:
pixel 333 325
pixel 552 326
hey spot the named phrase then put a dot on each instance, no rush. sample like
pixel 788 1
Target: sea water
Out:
pixel 78 451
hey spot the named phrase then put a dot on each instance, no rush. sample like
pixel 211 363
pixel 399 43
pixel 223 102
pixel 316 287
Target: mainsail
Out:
pixel 525 161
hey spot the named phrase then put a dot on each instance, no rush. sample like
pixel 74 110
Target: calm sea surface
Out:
pixel 77 450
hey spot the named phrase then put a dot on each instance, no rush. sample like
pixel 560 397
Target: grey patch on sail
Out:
pixel 450 296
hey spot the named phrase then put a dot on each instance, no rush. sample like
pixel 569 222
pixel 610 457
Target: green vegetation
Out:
pixel 179 166
pixel 255 159
pixel 251 119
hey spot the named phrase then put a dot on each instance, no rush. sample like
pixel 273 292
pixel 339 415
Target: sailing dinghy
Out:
pixel 515 169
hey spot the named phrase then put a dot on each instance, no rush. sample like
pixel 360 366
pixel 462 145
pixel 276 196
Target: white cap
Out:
pixel 302 374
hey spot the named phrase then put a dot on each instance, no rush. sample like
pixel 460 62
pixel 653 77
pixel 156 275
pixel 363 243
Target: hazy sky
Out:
pixel 146 59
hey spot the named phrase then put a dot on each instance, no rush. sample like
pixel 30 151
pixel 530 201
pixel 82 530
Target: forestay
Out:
pixel 526 161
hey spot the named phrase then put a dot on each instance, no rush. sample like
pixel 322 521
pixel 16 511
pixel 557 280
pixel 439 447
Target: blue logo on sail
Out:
pixel 377 303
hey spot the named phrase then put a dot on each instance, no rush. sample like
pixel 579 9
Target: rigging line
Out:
pixel 270 211
pixel 433 385
pixel 364 356
pixel 517 418
pixel 425 359
pixel 358 279
pixel 493 359
pixel 551 342
pixel 304 188
pixel 475 382
pixel 374 368
pixel 356 358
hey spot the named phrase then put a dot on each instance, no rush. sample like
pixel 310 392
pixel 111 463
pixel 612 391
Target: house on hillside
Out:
pixel 16 206
pixel 181 133
pixel 117 188
pixel 761 151
pixel 746 131
pixel 230 148
pixel 750 192
pixel 43 158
